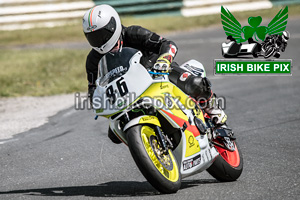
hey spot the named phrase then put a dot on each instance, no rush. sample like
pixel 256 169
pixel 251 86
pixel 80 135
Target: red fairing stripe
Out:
pixel 180 122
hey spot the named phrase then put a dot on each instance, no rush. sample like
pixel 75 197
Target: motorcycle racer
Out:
pixel 279 40
pixel 105 33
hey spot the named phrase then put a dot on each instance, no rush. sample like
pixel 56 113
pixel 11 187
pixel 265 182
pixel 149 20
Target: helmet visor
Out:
pixel 101 36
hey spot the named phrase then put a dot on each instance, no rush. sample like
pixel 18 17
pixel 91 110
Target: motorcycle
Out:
pixel 271 48
pixel 232 49
pixel 168 134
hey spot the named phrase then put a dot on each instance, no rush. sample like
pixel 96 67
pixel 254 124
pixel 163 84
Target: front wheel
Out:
pixel 228 166
pixel 269 51
pixel 160 169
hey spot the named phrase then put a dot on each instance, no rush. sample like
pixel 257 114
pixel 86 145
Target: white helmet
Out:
pixel 285 36
pixel 102 27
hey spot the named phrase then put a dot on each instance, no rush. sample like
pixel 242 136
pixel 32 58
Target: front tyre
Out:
pixel 228 166
pixel 160 169
pixel 269 51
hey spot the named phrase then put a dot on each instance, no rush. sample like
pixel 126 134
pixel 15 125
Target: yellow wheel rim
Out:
pixel 165 164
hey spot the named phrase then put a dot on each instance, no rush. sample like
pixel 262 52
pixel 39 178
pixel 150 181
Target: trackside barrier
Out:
pixel 200 7
pixel 135 7
pixel 26 14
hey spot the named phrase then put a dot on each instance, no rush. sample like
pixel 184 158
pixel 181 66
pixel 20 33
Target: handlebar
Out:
pixel 157 73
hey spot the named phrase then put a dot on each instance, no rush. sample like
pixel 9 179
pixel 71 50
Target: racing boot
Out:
pixel 214 110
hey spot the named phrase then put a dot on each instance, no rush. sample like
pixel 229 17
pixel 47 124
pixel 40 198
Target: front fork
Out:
pixel 163 139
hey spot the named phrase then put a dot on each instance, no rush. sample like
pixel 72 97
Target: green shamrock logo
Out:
pixel 255 29
pixel 233 28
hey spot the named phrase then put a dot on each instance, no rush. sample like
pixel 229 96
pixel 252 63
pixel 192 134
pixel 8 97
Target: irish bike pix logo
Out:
pixel 254 49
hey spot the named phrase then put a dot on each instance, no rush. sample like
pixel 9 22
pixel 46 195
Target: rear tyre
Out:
pixel 159 169
pixel 255 51
pixel 228 166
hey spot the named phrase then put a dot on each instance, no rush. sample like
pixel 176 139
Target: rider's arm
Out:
pixel 145 40
pixel 92 66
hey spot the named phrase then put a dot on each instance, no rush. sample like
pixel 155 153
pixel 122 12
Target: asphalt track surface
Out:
pixel 71 157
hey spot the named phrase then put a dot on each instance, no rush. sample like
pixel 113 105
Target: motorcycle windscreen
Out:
pixel 114 65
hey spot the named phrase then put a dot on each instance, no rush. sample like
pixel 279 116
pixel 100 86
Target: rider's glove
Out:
pixel 163 63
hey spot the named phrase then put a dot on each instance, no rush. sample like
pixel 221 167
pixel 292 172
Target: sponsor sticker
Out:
pixel 164 87
pixel 92 27
pixel 188 164
pixel 172 50
pixel 191 141
pixel 115 71
pixel 184 76
pixel 197 71
pixel 99 110
pixel 147 118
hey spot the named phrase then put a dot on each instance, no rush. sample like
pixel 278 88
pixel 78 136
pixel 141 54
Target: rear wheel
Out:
pixel 160 169
pixel 228 166
pixel 255 54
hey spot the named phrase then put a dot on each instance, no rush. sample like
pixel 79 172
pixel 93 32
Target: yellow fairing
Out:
pixel 173 173
pixel 184 99
pixel 158 90
pixel 199 114
pixel 192 145
pixel 150 120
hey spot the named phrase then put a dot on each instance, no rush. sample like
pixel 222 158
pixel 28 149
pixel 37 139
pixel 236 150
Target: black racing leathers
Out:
pixel 278 40
pixel 152 46
pixel 149 43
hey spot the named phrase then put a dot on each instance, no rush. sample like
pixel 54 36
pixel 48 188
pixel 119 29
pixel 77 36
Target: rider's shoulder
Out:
pixel 93 54
pixel 136 30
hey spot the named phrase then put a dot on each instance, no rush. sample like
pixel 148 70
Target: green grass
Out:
pixel 160 25
pixel 42 72
pixel 41 36
pixel 54 71
pixel 169 24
